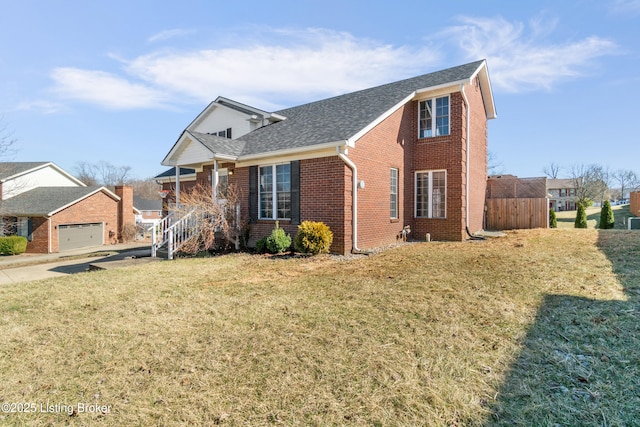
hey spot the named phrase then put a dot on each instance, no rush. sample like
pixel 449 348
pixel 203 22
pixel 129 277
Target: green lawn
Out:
pixel 536 328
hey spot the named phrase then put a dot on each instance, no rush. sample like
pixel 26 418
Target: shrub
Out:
pixel 581 217
pixel 553 221
pixel 128 232
pixel 13 245
pixel 278 241
pixel 606 216
pixel 313 238
pixel 261 245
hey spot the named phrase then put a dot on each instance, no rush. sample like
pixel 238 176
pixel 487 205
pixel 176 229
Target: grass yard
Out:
pixel 567 219
pixel 537 328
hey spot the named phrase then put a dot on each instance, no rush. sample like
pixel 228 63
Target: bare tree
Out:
pixel 86 173
pixel 494 166
pixel 102 173
pixel 551 170
pixel 7 140
pixel 146 188
pixel 213 216
pixel 627 180
pixel 591 183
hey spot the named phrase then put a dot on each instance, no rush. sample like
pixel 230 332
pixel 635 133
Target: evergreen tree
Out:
pixel 581 217
pixel 606 216
pixel 553 221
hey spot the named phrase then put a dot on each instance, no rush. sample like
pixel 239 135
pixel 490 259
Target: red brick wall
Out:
pixel 98 208
pixel 125 208
pixel 478 155
pixel 324 185
pixel 386 146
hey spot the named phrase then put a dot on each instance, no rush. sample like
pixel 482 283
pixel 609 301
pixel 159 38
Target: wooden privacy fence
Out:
pixel 510 214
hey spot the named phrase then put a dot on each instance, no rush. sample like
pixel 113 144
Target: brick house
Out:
pixel 562 194
pixel 55 211
pixel 367 163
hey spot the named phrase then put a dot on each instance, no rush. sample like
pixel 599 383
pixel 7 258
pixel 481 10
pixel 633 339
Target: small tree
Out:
pixel 606 216
pixel 581 217
pixel 553 221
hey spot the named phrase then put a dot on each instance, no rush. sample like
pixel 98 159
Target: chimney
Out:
pixel 126 217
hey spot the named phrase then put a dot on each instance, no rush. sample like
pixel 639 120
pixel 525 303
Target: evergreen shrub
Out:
pixel 313 238
pixel 13 245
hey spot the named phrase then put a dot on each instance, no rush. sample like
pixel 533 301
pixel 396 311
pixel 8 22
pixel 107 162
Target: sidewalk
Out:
pixel 10 261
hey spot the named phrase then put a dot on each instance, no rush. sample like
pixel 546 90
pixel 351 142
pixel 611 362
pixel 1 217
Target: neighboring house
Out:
pixel 562 194
pixel 367 163
pixel 55 211
pixel 149 212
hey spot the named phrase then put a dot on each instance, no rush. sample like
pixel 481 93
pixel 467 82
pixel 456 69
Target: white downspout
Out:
pixel 354 203
pixel 468 138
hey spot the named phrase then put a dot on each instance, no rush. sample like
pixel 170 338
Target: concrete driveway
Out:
pixel 38 267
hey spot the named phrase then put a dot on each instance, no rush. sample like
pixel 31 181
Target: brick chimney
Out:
pixel 125 210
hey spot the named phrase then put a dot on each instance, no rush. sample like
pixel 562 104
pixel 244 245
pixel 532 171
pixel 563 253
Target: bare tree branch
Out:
pixel 551 170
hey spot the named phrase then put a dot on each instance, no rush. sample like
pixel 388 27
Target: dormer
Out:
pixel 231 119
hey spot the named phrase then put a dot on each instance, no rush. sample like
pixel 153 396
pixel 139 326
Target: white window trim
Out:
pixel 274 192
pixel 391 194
pixel 430 190
pixel 434 116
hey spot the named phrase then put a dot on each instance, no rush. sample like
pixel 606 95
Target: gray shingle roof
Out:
pixel 8 169
pixel 341 117
pixel 43 200
pixel 146 204
pixel 219 144
pixel 172 172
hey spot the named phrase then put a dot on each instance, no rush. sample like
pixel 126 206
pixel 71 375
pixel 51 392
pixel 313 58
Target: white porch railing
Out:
pixel 173 233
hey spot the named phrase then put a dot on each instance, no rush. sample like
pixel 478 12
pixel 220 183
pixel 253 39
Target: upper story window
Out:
pixel 224 133
pixel 274 186
pixel 433 117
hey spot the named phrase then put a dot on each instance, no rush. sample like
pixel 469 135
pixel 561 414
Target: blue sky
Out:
pixel 119 80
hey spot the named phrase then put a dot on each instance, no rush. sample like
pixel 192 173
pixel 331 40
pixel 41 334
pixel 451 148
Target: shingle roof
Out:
pixel 42 201
pixel 146 204
pixel 172 172
pixel 341 117
pixel 219 144
pixel 9 169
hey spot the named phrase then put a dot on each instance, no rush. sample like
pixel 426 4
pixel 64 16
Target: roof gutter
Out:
pixel 354 203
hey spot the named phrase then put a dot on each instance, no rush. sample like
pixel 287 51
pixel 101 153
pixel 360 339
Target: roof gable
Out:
pixel 340 120
pixel 47 201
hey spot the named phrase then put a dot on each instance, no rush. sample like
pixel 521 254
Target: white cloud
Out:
pixel 41 106
pixel 521 61
pixel 105 89
pixel 283 67
pixel 170 34
pixel 305 64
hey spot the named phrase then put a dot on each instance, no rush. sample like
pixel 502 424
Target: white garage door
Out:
pixel 73 236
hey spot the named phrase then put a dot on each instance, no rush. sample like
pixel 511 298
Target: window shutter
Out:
pixel 295 192
pixel 29 229
pixel 253 194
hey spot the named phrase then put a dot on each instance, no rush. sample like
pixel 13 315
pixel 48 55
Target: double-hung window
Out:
pixel 393 181
pixel 275 191
pixel 433 117
pixel 431 194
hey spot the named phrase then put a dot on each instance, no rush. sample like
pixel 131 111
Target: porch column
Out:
pixel 214 181
pixel 177 185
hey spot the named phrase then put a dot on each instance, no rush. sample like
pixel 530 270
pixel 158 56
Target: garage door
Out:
pixel 73 236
